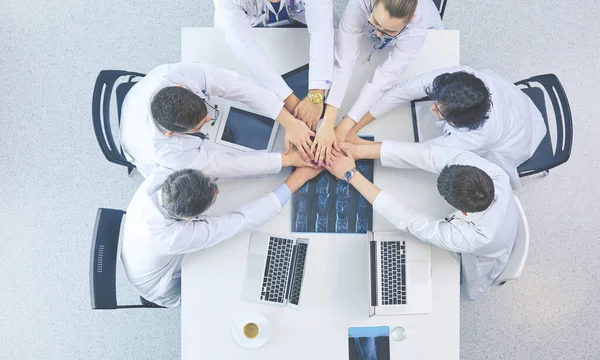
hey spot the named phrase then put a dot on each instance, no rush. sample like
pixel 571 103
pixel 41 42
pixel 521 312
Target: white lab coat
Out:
pixel 512 133
pixel 154 244
pixel 237 17
pixel 484 240
pixel 147 146
pixel 353 27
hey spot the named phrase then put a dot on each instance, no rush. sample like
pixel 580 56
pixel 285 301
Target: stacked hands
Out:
pixel 331 148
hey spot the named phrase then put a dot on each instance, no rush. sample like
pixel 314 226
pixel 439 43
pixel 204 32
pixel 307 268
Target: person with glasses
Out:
pixel 479 111
pixel 163 113
pixel 397 24
pixel 483 226
pixel 165 221
pixel 237 17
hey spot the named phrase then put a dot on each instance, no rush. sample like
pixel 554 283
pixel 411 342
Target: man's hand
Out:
pixel 291 103
pixel 300 176
pixel 293 158
pixel 298 134
pixel 341 161
pixel 309 112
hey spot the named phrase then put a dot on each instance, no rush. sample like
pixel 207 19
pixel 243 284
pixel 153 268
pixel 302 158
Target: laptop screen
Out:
pixel 424 121
pixel 248 129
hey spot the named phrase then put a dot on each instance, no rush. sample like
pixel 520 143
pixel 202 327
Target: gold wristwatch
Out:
pixel 316 98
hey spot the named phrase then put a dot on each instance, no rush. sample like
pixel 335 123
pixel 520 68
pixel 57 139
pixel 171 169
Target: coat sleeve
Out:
pixel 238 34
pixel 196 235
pixel 425 156
pixel 455 235
pixel 346 50
pixel 319 19
pixel 231 86
pixel 390 71
pixel 217 163
pixel 409 90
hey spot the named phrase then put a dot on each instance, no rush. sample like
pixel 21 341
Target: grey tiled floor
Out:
pixel 53 176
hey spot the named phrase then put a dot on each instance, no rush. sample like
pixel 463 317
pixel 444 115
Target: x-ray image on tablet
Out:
pixel 426 124
pixel 244 130
pixel 369 343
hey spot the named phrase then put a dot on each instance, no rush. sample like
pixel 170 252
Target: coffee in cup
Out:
pixel 250 330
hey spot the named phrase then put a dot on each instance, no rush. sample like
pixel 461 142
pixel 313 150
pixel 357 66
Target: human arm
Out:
pixel 196 235
pixel 409 90
pixel 217 163
pixel 390 72
pixel 453 234
pixel 319 19
pixel 238 33
pixel 347 49
pixel 229 85
pixel 446 234
pixel 432 158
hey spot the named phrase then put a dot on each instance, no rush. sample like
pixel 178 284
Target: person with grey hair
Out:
pixel 165 221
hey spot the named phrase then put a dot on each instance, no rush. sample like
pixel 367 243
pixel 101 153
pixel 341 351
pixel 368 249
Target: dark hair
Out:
pixel 399 9
pixel 187 193
pixel 463 98
pixel 466 188
pixel 177 109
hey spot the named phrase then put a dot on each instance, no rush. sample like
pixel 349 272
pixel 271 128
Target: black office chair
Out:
pixel 441 5
pixel 103 262
pixel 547 155
pixel 101 112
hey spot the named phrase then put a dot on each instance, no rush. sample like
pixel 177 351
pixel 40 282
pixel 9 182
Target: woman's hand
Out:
pixel 324 141
pixel 341 162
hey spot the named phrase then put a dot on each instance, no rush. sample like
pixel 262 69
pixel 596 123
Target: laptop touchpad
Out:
pixel 418 272
pixel 256 266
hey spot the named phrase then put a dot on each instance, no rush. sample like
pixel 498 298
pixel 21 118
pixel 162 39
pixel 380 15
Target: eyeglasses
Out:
pixel 215 116
pixel 375 28
pixel 438 110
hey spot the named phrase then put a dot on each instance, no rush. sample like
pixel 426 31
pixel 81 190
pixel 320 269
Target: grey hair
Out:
pixel 187 193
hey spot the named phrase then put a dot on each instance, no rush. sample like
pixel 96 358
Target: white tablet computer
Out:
pixel 246 131
pixel 424 120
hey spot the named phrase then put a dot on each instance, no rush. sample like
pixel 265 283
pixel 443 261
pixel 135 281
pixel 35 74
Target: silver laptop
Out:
pixel 399 274
pixel 275 269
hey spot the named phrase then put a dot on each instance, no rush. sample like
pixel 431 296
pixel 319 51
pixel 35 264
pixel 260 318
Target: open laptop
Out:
pixel 275 269
pixel 426 124
pixel 399 274
pixel 238 128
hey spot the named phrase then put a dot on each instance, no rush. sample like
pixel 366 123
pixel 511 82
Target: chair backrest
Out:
pixel 517 259
pixel 441 6
pixel 549 155
pixel 105 82
pixel 103 258
pixel 103 262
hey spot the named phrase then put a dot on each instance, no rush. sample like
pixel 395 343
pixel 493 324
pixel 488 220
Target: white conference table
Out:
pixel 335 294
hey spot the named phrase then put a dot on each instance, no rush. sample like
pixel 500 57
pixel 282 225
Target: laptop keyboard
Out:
pixel 393 269
pixel 302 249
pixel 277 269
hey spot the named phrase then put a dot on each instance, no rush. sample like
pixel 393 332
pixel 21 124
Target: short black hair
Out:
pixel 187 193
pixel 464 99
pixel 466 188
pixel 177 109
